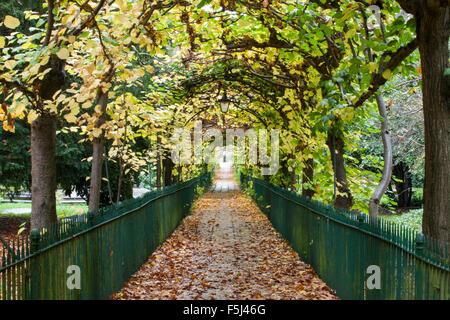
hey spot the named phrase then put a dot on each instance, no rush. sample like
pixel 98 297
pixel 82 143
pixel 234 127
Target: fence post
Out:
pixel 90 218
pixel 35 238
pixel 361 218
pixel 33 269
pixel 420 241
pixel 419 276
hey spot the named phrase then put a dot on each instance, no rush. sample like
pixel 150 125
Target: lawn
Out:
pixel 412 219
pixel 63 209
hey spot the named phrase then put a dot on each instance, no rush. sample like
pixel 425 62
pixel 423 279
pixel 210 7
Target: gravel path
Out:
pixel 225 249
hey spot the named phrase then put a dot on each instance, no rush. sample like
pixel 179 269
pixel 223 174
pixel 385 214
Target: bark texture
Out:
pixel 43 150
pixel 168 166
pixel 98 146
pixel 433 32
pixel 158 161
pixel 43 171
pixel 308 177
pixel 387 156
pixel 402 172
pixel 336 145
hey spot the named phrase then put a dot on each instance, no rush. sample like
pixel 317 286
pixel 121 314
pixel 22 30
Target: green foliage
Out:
pixel 404 101
pixel 17 9
pixel 411 219
pixel 313 64
pixel 15 159
pixel 147 180
pixel 62 209
pixel 199 190
pixel 417 197
pixel 71 165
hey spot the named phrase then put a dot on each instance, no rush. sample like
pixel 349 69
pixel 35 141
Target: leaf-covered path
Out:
pixel 225 249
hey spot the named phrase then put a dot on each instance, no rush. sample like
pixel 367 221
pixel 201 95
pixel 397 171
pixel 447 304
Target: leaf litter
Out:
pixel 225 249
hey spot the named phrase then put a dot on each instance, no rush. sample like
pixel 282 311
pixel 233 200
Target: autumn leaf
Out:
pixel 208 257
pixel 11 22
pixel 71 118
pixel 32 115
pixel 63 53
pixel 387 74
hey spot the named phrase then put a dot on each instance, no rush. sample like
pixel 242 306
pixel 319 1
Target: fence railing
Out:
pixel 104 249
pixel 357 256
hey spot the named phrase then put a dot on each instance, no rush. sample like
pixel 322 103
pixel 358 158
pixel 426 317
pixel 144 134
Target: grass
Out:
pixel 62 209
pixel 412 219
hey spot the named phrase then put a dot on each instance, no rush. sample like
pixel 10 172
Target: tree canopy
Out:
pixel 124 72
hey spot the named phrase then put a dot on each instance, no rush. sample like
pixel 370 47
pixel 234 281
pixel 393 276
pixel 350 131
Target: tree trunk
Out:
pixel 108 177
pixel 98 145
pixel 176 177
pixel 119 182
pixel 293 176
pixel 158 161
pixel 404 186
pixel 335 144
pixel 43 150
pixel 167 170
pixel 43 171
pixel 308 178
pixel 387 167
pixel 433 33
pixel 285 178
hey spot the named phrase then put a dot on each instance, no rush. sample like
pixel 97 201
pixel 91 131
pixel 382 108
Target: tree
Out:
pixel 433 32
pixel 312 68
pixel 35 81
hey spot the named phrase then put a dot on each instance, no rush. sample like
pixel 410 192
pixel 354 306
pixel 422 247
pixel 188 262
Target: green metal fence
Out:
pixel 107 247
pixel 347 249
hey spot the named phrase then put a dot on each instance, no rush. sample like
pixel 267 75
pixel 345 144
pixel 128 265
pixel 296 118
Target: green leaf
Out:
pixel 203 3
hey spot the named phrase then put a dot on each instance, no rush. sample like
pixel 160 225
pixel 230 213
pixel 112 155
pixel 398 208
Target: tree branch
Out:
pixel 378 80
pixel 97 9
pixel 50 22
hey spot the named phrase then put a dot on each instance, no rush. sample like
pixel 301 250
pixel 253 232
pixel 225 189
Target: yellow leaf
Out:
pixel 19 108
pixel 70 118
pixel 32 115
pixel 8 127
pixel 349 116
pixel 86 105
pixel 372 67
pixel 10 64
pixel 97 132
pixel 121 5
pixel 387 74
pixel 98 108
pixel 2 42
pixel 11 22
pixel 63 53
pixel 350 33
pixel 90 68
pixel 21 230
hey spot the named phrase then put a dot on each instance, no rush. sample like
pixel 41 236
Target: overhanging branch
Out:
pixel 378 80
